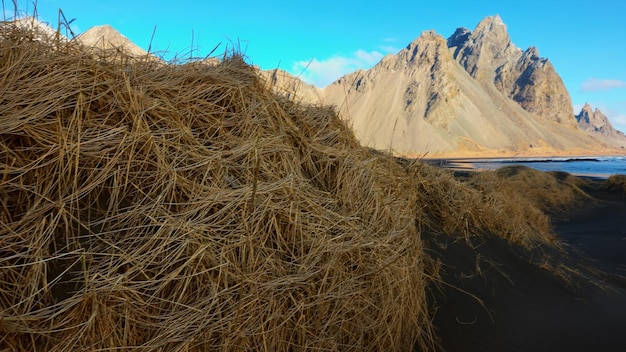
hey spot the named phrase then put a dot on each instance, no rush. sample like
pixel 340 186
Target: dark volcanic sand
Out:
pixel 525 307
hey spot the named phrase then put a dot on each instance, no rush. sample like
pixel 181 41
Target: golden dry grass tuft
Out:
pixel 551 192
pixel 188 208
pixel 615 183
pixel 484 204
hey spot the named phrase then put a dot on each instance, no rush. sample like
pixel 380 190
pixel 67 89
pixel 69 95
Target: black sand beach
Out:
pixel 526 308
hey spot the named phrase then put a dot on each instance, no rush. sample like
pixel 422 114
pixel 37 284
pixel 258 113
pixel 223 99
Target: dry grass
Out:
pixel 550 192
pixel 483 205
pixel 188 208
pixel 615 183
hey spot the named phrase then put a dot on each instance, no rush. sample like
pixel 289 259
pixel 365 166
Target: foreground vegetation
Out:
pixel 188 207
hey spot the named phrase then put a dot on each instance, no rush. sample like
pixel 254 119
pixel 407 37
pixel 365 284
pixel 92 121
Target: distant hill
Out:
pixel 598 125
pixel 40 30
pixel 106 37
pixel 292 87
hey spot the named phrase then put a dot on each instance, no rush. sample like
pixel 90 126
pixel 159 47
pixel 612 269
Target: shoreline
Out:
pixel 506 154
pixel 473 164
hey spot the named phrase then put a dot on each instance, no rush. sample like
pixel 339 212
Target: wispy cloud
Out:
pixel 322 72
pixel 594 84
pixel 389 48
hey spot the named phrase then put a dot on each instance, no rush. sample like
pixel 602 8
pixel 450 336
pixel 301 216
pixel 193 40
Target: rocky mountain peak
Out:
pixel 427 49
pixel 426 40
pixel 597 124
pixel 491 23
pixel 459 37
pixel 532 52
pixel 484 49
pixel 490 57
pixel 587 109
pixel 593 121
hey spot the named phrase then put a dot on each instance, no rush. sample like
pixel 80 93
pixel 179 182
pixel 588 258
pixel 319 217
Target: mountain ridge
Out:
pixel 465 95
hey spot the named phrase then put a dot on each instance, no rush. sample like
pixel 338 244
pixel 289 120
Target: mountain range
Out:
pixel 474 93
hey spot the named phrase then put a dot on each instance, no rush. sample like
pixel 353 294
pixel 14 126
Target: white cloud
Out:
pixel 389 49
pixel 325 71
pixel 368 58
pixel 594 84
pixel 322 72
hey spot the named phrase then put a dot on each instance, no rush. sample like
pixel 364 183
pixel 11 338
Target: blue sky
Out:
pixel 322 40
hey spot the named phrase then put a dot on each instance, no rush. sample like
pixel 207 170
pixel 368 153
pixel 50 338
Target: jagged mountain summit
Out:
pixel 598 125
pixel 473 93
pixel 489 56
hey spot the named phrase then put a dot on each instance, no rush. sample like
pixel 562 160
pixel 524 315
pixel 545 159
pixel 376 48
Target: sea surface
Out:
pixel 585 166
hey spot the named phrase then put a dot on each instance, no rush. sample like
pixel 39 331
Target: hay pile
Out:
pixel 187 207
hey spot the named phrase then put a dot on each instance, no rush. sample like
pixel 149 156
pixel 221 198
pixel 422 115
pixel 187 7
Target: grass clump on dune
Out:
pixel 550 192
pixel 482 206
pixel 187 207
pixel 615 183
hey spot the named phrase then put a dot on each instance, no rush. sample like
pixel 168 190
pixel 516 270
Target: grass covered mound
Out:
pixel 615 183
pixel 187 207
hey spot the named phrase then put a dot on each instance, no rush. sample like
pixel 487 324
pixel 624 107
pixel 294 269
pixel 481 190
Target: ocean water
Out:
pixel 589 166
